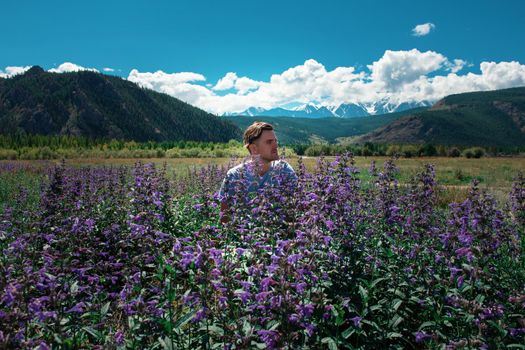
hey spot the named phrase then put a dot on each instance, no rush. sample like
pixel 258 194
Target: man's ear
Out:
pixel 252 148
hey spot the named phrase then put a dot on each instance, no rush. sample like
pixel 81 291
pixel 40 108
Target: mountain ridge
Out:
pixel 486 118
pixel 343 110
pixel 96 105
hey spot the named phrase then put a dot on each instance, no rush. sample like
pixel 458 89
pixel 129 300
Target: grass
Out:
pixel 454 174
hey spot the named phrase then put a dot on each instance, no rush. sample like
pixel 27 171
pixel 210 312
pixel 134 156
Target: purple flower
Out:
pixel 309 328
pixel 266 283
pixel 461 279
pixel 240 251
pixel 78 308
pixel 305 309
pixel 300 287
pixel 356 320
pixel 200 315
pixel 43 346
pixel 243 295
pixel 270 338
pixel 292 259
pixel 119 337
pixel 464 252
pixel 421 336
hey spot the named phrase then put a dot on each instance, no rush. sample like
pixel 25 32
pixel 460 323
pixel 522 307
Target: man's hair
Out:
pixel 254 131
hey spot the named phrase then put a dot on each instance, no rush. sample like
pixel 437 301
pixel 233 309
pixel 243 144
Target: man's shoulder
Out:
pixel 236 170
pixel 282 165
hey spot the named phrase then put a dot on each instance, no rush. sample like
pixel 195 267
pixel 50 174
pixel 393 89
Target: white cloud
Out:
pixel 456 65
pixel 70 67
pixel 503 74
pixel 243 85
pixel 231 81
pixel 398 76
pixel 160 80
pixel 107 69
pixel 13 70
pixel 423 29
pixel 227 82
pixel 175 84
pixel 396 68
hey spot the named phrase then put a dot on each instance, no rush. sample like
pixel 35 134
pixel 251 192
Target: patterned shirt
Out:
pixel 244 178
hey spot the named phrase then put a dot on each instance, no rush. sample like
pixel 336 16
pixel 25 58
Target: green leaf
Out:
pixel 394 335
pixel 396 304
pixel 395 321
pixel 213 329
pixel 363 293
pixel 258 345
pixel 274 325
pixel 466 287
pixel 375 307
pixel 498 327
pixel 426 324
pixel 166 343
pixel 480 298
pixel 371 323
pixel 519 346
pixel 74 288
pixel 93 332
pixel 332 345
pixel 105 309
pixel 348 332
pixel 184 319
pixel 400 294
pixel 377 280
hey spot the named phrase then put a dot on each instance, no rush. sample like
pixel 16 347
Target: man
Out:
pixel 262 169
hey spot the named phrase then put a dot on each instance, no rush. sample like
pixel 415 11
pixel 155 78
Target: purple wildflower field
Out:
pixel 118 258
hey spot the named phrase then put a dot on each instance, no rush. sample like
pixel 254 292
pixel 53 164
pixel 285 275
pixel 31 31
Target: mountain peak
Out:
pixel 35 70
pixel 95 105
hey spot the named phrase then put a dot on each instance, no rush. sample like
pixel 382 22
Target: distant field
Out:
pixel 491 172
pixel 454 174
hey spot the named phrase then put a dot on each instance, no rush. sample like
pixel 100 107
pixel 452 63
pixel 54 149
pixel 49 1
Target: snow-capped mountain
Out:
pixel 344 110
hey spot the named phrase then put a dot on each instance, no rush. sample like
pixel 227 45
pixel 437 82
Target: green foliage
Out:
pixel 474 152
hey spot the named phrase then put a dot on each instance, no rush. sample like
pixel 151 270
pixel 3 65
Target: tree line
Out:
pixel 29 146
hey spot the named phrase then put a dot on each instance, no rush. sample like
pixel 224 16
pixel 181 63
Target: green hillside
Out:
pixel 491 118
pixel 94 105
pixel 305 130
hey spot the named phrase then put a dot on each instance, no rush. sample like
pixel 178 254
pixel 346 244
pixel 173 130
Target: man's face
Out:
pixel 266 146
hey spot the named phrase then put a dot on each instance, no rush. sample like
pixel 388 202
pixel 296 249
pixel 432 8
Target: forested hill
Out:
pixel 489 118
pixel 320 130
pixel 95 105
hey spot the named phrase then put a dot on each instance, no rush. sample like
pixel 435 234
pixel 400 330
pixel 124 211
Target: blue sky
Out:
pixel 324 45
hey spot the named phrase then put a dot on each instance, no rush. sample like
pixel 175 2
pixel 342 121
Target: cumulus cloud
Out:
pixel 397 68
pixel 423 29
pixel 107 69
pixel 179 85
pixel 397 76
pixel 231 81
pixel 456 65
pixel 227 82
pixel 13 70
pixel 70 67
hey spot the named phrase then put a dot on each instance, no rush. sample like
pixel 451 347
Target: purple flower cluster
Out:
pixel 134 257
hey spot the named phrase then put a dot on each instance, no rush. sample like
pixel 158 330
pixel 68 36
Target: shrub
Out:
pixel 474 152
pixel 453 152
pixel 9 154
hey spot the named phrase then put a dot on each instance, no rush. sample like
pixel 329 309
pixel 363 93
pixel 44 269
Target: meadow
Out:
pixel 357 254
